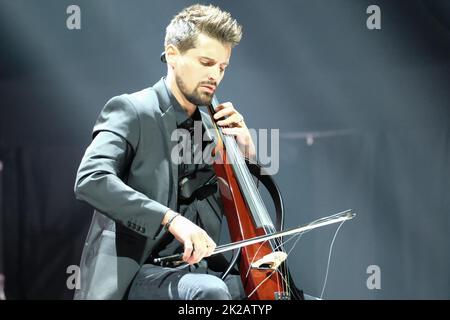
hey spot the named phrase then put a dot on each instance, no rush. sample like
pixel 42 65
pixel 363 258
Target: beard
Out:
pixel 196 97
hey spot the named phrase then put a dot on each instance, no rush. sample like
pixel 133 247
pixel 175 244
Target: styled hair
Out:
pixel 183 30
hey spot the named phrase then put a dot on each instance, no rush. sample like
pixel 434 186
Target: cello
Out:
pixel 260 250
pixel 262 266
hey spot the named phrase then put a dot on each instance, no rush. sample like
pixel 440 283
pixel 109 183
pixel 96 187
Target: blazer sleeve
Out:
pixel 99 179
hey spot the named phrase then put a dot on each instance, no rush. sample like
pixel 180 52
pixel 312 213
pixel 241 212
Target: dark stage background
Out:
pixel 363 118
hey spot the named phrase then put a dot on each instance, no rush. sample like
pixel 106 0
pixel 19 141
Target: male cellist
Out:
pixel 129 176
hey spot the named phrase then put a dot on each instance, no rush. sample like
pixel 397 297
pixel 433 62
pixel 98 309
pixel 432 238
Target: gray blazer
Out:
pixel 127 175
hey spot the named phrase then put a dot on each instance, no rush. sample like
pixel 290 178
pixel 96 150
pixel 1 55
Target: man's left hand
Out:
pixel 234 125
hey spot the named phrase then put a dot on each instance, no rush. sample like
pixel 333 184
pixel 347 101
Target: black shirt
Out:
pixel 203 207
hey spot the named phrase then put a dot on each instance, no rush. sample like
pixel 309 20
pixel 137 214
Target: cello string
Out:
pixel 285 267
pixel 248 179
pixel 261 283
pixel 241 170
pixel 238 163
pixel 298 236
pixel 248 183
pixel 329 258
pixel 254 257
pixel 288 287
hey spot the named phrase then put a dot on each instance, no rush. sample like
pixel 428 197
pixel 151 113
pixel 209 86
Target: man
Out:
pixel 127 174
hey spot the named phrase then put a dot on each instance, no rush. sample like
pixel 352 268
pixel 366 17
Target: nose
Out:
pixel 214 74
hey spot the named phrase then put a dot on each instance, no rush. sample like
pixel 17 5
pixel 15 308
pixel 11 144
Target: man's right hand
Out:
pixel 197 243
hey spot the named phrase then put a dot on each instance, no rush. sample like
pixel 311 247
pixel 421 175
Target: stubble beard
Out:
pixel 195 97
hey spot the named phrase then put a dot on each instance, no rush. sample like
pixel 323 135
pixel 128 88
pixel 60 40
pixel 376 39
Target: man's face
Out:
pixel 198 71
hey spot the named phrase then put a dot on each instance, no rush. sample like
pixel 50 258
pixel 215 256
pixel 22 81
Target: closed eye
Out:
pixel 207 63
pixel 210 63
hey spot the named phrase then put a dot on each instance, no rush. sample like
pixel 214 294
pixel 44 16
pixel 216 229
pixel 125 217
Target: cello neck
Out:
pixel 245 180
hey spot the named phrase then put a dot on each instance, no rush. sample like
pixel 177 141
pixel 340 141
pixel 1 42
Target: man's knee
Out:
pixel 211 288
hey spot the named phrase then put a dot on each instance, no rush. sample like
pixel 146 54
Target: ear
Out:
pixel 172 54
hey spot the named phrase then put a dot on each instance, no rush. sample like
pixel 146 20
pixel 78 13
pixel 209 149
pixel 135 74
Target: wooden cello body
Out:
pixel 262 266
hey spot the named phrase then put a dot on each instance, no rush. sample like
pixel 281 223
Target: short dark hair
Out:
pixel 185 27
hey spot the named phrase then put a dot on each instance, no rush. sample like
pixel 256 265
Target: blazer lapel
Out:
pixel 169 125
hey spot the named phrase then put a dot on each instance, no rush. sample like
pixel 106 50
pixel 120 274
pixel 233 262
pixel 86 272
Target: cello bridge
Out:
pixel 271 261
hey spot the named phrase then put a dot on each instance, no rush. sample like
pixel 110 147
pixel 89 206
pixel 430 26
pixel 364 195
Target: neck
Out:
pixel 184 103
